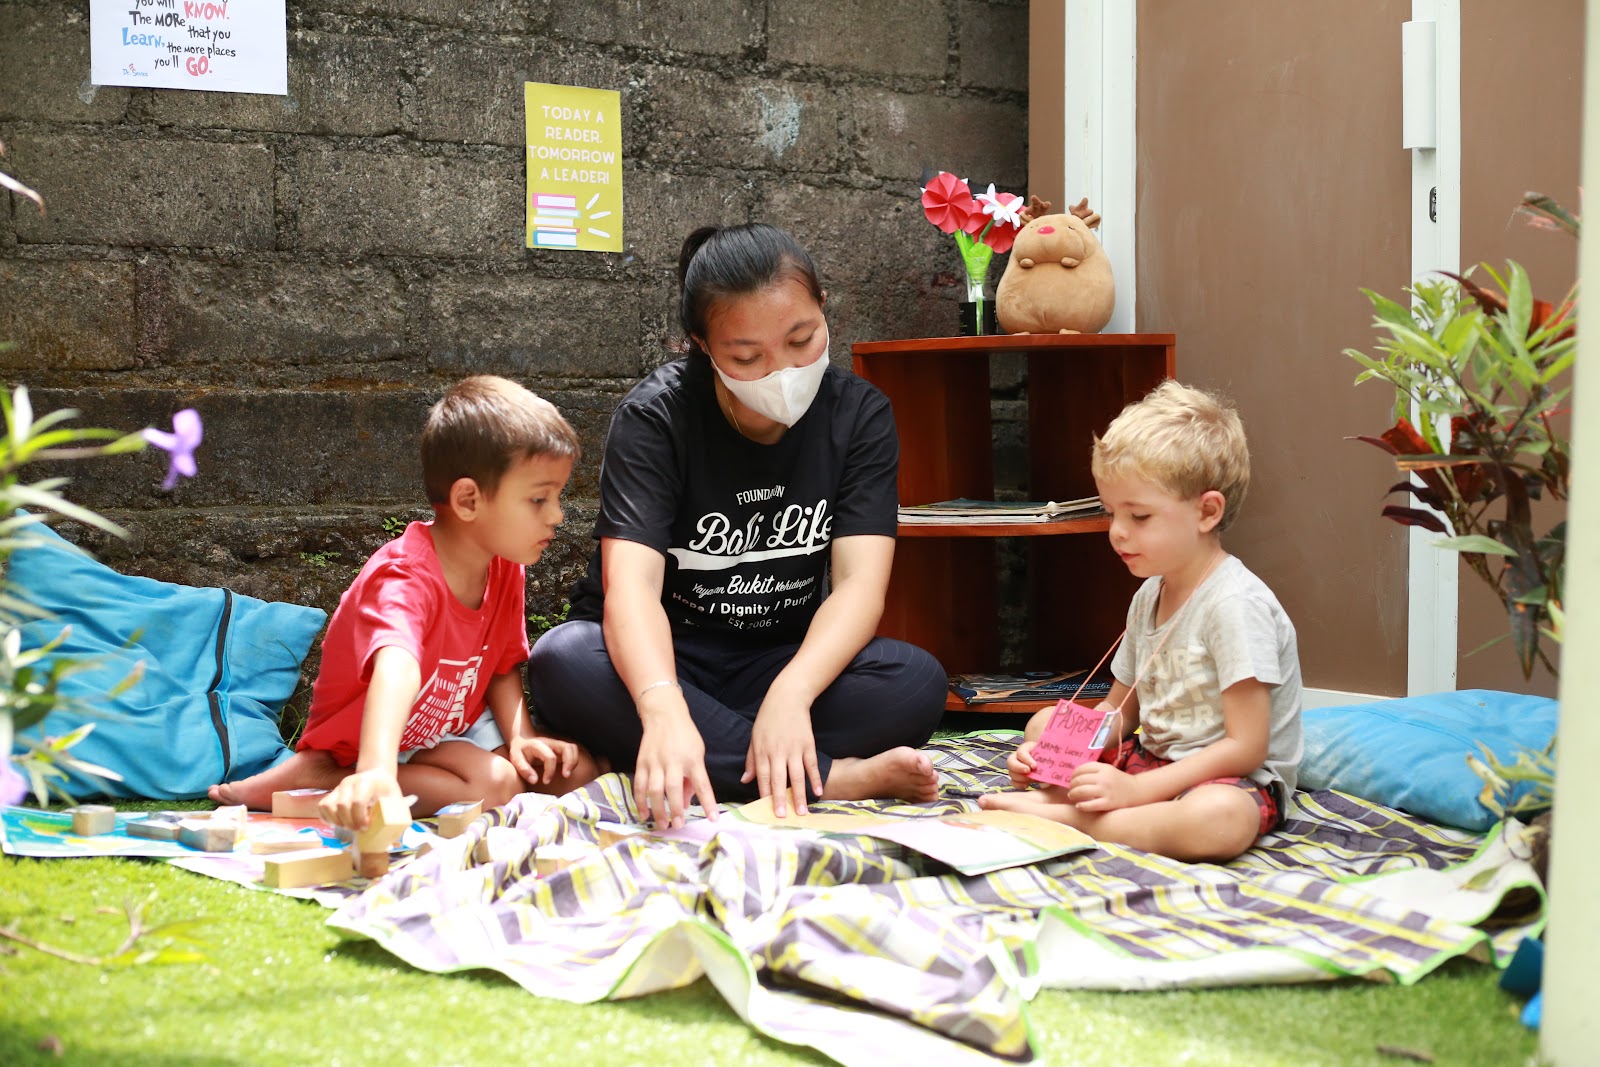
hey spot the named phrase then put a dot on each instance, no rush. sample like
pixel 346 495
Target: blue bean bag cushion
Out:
pixel 1411 753
pixel 218 668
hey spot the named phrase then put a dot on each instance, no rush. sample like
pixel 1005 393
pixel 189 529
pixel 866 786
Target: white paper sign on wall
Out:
pixel 221 46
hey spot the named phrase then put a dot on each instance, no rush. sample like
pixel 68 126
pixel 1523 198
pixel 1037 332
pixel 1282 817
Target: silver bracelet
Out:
pixel 656 685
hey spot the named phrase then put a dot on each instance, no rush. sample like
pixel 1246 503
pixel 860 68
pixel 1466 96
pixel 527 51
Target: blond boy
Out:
pixel 1208 672
pixel 432 632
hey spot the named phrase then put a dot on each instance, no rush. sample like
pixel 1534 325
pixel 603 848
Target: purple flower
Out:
pixel 179 444
pixel 13 786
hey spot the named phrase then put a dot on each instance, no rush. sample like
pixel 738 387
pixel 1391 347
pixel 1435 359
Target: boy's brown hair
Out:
pixel 1185 440
pixel 484 424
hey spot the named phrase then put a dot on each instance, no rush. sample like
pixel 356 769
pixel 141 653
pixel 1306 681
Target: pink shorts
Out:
pixel 1130 756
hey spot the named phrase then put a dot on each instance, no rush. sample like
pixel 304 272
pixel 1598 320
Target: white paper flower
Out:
pixel 1002 207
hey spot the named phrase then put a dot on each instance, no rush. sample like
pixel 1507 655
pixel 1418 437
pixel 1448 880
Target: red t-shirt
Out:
pixel 400 598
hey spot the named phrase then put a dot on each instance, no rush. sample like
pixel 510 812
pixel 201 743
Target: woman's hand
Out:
pixel 1020 766
pixel 671 768
pixel 783 754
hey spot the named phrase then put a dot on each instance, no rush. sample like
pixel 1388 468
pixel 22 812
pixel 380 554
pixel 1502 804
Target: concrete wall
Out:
pixel 311 271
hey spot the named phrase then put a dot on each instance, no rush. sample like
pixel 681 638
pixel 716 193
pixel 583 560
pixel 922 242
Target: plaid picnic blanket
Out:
pixel 872 954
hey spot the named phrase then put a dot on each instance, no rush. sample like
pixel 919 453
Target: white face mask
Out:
pixel 784 395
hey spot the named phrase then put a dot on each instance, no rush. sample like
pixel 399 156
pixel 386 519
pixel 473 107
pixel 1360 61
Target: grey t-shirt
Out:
pixel 1231 629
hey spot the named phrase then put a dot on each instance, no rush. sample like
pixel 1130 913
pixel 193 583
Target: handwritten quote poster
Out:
pixel 223 46
pixel 574 167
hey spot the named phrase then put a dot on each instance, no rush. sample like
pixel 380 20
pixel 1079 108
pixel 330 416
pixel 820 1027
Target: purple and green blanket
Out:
pixel 871 953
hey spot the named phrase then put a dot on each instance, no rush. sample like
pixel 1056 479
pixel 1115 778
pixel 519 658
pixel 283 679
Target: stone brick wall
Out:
pixel 311 271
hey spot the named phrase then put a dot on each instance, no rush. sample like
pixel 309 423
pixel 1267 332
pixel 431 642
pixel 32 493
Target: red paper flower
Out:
pixel 948 203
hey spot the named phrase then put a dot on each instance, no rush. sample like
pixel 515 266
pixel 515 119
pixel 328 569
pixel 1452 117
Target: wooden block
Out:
pixel 89 820
pixel 500 844
pixel 162 826
pixel 272 842
pixel 209 835
pixel 609 833
pixel 298 803
pixel 386 822
pixel 237 814
pixel 549 859
pixel 455 818
pixel 316 866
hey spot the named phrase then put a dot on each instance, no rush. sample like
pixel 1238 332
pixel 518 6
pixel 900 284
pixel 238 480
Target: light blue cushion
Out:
pixel 218 668
pixel 1412 753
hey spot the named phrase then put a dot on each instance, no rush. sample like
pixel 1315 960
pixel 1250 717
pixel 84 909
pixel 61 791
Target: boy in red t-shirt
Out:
pixel 433 630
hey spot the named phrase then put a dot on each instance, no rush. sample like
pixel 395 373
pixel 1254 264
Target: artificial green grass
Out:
pixel 280 987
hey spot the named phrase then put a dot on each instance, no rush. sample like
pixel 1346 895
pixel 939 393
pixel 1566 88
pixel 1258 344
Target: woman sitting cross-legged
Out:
pixel 721 644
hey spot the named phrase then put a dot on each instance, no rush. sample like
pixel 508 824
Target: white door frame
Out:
pixel 1432 111
pixel 1101 162
pixel 1100 134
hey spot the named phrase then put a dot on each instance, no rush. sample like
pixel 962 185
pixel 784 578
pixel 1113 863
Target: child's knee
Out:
pixel 497 781
pixel 1224 821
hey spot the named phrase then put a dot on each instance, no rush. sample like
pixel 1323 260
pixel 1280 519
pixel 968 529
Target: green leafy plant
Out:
pixel 394 526
pixel 539 625
pixel 1488 376
pixel 319 559
pixel 31 678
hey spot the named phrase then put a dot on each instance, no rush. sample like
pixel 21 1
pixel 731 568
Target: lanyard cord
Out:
pixel 1171 625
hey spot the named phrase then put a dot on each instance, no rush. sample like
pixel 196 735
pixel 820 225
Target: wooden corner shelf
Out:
pixel 997 707
pixel 1052 528
pixel 943 593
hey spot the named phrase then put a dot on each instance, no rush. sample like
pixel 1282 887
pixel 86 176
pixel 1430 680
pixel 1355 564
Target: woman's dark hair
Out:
pixel 722 261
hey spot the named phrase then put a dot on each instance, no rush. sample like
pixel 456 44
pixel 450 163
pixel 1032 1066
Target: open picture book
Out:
pixel 972 842
pixel 962 510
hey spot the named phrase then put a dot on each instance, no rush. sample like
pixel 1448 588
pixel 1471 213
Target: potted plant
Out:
pixel 1486 371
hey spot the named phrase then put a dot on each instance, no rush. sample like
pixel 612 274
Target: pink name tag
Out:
pixel 1075 736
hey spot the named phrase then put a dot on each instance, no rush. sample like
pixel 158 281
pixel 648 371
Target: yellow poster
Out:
pixel 574 167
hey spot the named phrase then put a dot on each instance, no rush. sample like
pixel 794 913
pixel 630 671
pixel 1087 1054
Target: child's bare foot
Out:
pixel 1046 803
pixel 898 774
pixel 303 770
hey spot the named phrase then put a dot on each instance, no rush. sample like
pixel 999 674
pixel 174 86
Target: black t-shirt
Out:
pixel 745 527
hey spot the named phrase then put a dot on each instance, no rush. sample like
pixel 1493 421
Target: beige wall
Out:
pixel 1521 106
pixel 1272 187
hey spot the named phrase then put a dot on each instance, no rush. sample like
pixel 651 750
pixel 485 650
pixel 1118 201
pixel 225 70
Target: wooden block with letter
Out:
pixel 609 833
pixel 386 823
pixel 273 842
pixel 315 866
pixel 297 803
pixel 558 856
pixel 235 815
pixel 89 820
pixel 159 826
pixel 455 818
pixel 209 835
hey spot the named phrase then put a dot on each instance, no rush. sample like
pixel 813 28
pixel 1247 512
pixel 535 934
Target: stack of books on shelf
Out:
pixel 998 512
pixel 979 689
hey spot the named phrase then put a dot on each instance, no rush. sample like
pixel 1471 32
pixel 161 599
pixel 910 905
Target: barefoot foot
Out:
pixel 898 774
pixel 303 770
pixel 1032 802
